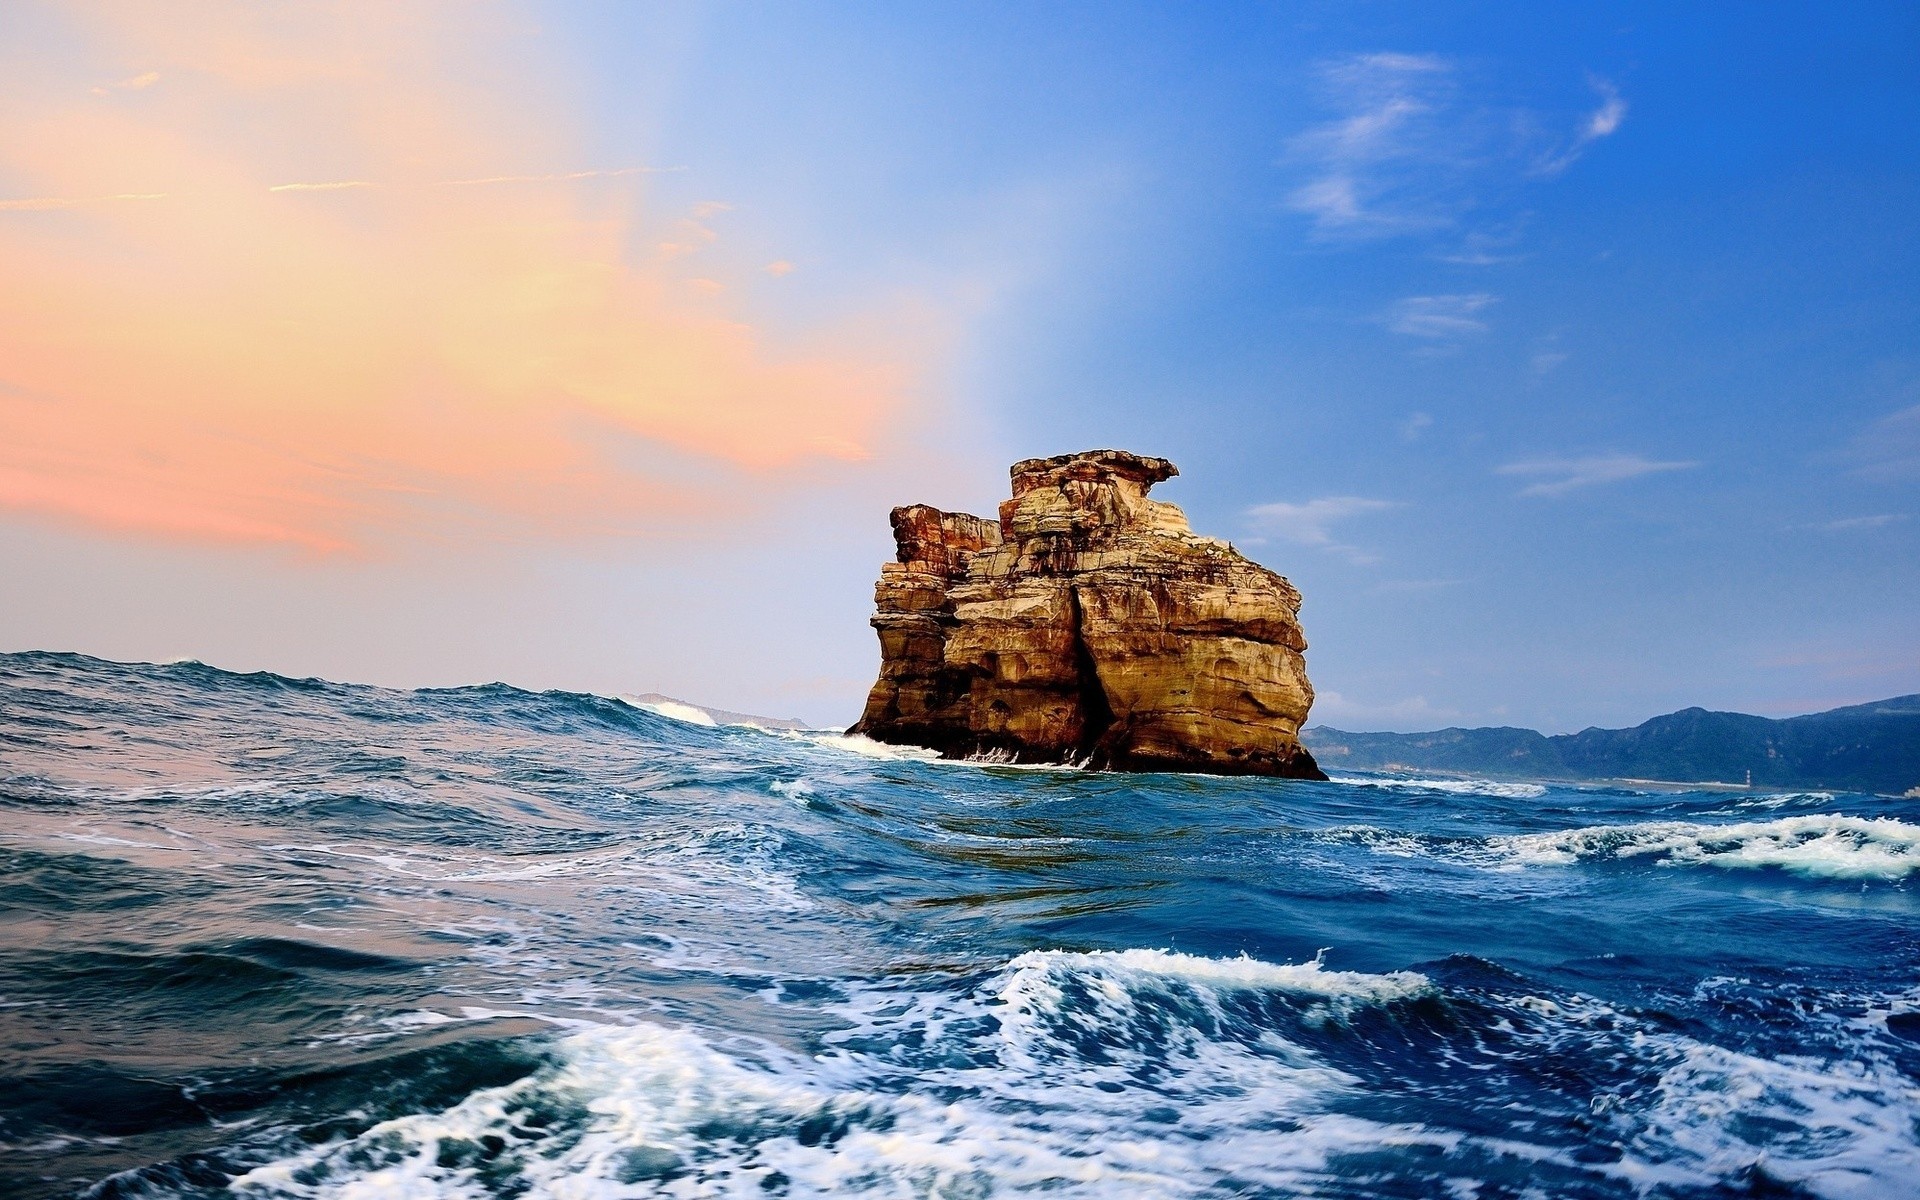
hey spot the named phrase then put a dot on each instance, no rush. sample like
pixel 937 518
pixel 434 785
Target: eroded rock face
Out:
pixel 1089 625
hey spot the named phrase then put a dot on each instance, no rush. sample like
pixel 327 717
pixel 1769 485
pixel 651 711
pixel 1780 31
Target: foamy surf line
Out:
pixel 867 747
pixel 1827 846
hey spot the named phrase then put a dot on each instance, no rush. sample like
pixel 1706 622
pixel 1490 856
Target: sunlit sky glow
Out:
pixel 1565 360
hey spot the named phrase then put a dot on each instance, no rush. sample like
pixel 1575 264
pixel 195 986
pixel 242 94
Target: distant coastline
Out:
pixel 1871 747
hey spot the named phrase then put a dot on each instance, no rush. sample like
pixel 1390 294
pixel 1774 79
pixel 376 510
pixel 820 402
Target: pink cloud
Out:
pixel 249 309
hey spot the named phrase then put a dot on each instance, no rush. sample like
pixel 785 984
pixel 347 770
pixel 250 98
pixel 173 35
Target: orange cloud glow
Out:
pixel 316 277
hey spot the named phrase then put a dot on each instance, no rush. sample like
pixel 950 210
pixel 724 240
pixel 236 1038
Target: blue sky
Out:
pixel 1564 358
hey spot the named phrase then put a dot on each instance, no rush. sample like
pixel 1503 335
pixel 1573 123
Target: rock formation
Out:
pixel 1088 625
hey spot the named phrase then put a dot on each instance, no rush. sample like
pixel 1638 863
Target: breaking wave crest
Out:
pixel 1139 1072
pixel 1816 846
pixel 1822 846
pixel 1102 1074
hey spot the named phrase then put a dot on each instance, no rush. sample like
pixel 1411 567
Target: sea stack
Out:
pixel 1089 624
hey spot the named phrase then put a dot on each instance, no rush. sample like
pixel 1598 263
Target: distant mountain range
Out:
pixel 1863 748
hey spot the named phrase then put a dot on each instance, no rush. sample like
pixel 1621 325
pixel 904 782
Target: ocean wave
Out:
pixel 668 1110
pixel 1089 1075
pixel 1123 1074
pixel 1837 1129
pixel 1823 846
pixel 1770 803
pixel 1455 787
pixel 866 747
pixel 736 864
pixel 487 942
pixel 671 709
pixel 1835 1119
pixel 1131 969
pixel 1782 799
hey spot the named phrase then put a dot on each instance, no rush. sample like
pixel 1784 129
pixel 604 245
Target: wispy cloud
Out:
pixel 336 185
pixel 563 177
pixel 1558 476
pixel 1311 523
pixel 1415 425
pixel 341 185
pixel 136 83
pixel 1549 353
pixel 1849 524
pixel 1412 147
pixel 1370 165
pixel 1436 317
pixel 1890 448
pixel 1547 357
pixel 1602 122
pixel 690 234
pixel 52 203
pixel 1483 248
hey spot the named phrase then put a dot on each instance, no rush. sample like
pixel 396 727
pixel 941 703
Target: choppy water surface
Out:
pixel 264 937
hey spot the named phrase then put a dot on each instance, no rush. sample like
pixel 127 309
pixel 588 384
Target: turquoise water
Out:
pixel 270 937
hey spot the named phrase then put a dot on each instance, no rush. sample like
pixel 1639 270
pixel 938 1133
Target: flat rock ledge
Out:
pixel 1090 625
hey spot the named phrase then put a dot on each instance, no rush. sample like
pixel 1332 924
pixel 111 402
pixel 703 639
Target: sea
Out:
pixel 268 937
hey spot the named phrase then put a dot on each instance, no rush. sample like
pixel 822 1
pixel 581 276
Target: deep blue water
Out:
pixel 272 937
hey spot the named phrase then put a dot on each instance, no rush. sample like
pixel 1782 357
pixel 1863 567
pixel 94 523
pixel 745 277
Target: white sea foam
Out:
pixel 673 710
pixel 1840 1129
pixel 866 747
pixel 1005 760
pixel 1133 968
pixel 1381 841
pixel 1457 787
pixel 1139 1072
pixel 1838 1122
pixel 1087 1075
pixel 1825 846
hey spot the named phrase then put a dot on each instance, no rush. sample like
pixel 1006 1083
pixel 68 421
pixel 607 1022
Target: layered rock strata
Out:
pixel 1089 624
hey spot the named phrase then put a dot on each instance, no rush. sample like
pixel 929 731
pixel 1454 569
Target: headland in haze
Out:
pixel 1872 747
